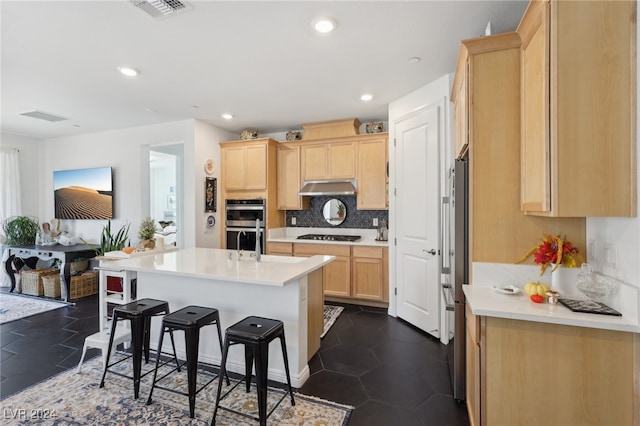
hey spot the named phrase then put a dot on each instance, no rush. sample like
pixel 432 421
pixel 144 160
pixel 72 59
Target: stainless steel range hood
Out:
pixel 327 187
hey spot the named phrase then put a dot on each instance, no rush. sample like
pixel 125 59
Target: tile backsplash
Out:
pixel 312 217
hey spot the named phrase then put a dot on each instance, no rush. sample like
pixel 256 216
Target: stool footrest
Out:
pixel 220 407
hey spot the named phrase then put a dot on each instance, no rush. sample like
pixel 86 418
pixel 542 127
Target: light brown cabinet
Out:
pixel 337 274
pixel 244 167
pixel 289 178
pixel 328 160
pixel 372 174
pixel 578 108
pixel 368 268
pixel 460 111
pixel 549 374
pixel 499 230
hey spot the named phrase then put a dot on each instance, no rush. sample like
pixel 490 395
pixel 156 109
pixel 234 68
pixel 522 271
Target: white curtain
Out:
pixel 10 202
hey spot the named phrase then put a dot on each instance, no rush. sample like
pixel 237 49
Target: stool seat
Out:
pixel 142 307
pixel 189 319
pixel 191 316
pixel 255 330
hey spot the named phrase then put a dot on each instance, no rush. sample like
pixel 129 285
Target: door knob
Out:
pixel 432 251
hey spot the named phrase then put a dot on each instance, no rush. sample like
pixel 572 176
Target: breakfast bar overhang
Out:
pixel 279 287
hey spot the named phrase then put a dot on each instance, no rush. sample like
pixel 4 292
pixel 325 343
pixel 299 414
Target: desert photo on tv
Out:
pixel 83 193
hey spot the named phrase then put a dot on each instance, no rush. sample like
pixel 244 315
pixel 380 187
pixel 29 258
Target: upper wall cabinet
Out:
pixel 460 111
pixel 329 160
pixel 244 166
pixel 289 182
pixel 372 174
pixel 578 112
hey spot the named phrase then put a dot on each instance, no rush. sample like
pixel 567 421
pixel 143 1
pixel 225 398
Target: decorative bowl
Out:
pixel 294 135
pixel 594 285
pixel 249 134
pixel 375 127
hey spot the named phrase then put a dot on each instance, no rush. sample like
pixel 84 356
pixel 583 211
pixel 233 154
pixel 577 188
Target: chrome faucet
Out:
pixel 257 250
pixel 238 243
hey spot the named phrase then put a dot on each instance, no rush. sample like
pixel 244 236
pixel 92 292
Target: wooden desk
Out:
pixel 65 254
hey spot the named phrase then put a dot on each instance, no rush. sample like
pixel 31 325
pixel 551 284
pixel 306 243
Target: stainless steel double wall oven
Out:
pixel 240 223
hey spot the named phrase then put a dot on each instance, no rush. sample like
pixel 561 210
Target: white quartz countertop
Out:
pixel 215 264
pixel 290 235
pixel 484 301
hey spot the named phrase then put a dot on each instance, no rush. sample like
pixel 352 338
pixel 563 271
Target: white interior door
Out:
pixel 417 219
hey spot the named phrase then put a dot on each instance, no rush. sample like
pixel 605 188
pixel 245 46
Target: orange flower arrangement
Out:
pixel 554 250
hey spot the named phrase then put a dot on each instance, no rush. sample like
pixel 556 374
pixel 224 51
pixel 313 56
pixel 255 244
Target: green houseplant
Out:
pixel 145 233
pixel 20 230
pixel 110 241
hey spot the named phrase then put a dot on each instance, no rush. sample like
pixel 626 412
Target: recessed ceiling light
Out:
pixel 414 60
pixel 324 25
pixel 227 116
pixel 128 71
pixel 366 97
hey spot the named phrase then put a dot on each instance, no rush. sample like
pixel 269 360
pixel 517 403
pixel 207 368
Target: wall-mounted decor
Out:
pixel 210 194
pixel 83 193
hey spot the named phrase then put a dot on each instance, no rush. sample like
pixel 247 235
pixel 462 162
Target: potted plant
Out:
pixel 341 210
pixel 20 230
pixel 146 232
pixel 110 241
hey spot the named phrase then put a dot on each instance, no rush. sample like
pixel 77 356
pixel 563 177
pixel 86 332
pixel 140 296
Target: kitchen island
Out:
pixel 538 364
pixel 284 288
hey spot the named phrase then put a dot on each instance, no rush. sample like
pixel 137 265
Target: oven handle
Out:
pixel 244 207
pixel 245 229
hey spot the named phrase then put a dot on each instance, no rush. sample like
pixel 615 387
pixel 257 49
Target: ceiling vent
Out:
pixel 43 116
pixel 161 8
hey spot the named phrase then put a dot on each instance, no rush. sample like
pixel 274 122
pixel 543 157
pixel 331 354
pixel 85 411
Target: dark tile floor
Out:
pixel 392 373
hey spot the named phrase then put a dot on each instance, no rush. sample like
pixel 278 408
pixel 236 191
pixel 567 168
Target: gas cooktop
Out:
pixel 329 237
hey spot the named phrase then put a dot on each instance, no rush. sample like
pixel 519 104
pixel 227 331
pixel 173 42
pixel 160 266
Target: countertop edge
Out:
pixel 550 314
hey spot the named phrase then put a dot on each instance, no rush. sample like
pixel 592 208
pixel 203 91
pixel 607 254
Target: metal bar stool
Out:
pixel 255 333
pixel 139 313
pixel 189 319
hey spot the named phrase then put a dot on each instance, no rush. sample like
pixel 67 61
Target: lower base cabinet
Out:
pixel 531 373
pixel 359 274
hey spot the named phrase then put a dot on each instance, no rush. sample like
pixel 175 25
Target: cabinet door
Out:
pixel 289 181
pixel 280 249
pixel 255 176
pixel 372 175
pixel 367 269
pixel 314 162
pixel 535 154
pixel 337 274
pixel 473 368
pixel 234 167
pixel 342 160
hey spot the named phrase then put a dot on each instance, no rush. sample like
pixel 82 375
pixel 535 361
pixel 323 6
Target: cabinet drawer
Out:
pixel 370 252
pixel 280 248
pixel 329 249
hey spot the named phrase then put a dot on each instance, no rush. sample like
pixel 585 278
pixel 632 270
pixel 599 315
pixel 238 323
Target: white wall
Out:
pixel 124 150
pixel 29 170
pixel 206 146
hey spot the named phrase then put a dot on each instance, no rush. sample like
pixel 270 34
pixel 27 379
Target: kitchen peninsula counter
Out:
pixel 278 287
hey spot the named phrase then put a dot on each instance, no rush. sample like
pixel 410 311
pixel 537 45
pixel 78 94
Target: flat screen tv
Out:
pixel 83 193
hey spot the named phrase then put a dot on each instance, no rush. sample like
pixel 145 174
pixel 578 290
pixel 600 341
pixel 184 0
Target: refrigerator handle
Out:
pixel 444 233
pixel 447 293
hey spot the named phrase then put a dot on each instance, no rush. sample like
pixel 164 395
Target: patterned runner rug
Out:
pixel 71 398
pixel 331 314
pixel 14 307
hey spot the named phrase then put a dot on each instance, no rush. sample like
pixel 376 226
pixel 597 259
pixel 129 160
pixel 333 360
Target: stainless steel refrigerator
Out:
pixel 457 230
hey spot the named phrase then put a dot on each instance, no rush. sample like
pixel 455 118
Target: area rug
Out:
pixel 14 307
pixel 331 314
pixel 71 398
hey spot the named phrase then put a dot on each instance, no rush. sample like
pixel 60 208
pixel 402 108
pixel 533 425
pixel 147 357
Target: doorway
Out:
pixel 166 191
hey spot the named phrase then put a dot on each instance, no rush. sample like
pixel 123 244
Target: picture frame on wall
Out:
pixel 210 194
